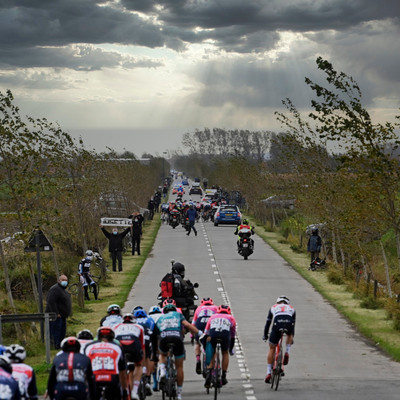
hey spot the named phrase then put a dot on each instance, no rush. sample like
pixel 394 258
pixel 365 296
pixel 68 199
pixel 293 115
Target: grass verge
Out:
pixel 115 290
pixel 374 324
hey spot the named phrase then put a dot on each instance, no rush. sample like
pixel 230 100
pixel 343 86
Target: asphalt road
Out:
pixel 328 360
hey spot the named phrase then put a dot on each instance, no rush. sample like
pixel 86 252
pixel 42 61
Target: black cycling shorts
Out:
pixel 179 348
pixel 224 337
pixel 133 352
pixel 282 322
pixel 63 391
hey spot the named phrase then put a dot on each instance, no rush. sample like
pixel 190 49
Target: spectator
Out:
pixel 192 215
pixel 115 245
pixel 150 206
pixel 137 221
pixel 314 244
pixel 59 302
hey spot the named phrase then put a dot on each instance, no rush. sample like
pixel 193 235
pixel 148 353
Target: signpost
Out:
pixel 38 242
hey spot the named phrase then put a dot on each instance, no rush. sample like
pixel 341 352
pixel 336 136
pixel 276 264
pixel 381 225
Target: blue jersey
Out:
pixel 9 389
pixel 148 326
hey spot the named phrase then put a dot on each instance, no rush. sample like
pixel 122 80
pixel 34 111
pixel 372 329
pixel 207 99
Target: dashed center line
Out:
pixel 245 372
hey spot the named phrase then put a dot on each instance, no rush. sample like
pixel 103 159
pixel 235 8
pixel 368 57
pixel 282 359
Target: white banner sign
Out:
pixel 124 222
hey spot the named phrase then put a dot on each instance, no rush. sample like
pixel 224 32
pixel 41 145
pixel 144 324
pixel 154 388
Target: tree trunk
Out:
pixel 8 288
pixel 389 287
pixel 397 233
pixel 34 285
pixel 334 255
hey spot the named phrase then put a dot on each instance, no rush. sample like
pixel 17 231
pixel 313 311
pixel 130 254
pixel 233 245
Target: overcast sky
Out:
pixel 138 74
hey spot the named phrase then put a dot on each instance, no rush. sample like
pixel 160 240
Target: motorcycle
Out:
pixel 186 304
pixel 245 243
pixel 174 218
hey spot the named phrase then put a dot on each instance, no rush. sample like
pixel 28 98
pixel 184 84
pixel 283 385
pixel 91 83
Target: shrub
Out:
pixel 335 277
pixel 370 303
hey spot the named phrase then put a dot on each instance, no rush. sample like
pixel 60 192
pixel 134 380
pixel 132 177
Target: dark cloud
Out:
pixel 79 58
pixel 233 25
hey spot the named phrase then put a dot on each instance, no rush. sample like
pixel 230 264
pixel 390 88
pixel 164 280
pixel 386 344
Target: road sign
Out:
pixel 43 243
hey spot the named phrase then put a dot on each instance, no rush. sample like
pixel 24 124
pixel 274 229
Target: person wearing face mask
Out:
pixel 115 245
pixel 59 302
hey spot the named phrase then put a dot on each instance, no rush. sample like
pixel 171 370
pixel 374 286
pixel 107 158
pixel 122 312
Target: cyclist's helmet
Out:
pixel 114 309
pixel 154 310
pixel 5 364
pixel 178 268
pixel 85 334
pixel 89 255
pixel 168 308
pixel 207 301
pixel 140 313
pixel 16 353
pixel 224 309
pixel 70 344
pixel 245 222
pixel 283 299
pixel 105 332
pixel 137 308
pixel 169 301
pixel 128 318
pixel 2 349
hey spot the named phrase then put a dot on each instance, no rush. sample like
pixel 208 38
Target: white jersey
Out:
pixel 282 309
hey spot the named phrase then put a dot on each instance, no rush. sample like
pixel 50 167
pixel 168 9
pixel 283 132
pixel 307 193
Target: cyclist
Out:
pixel 131 337
pixel 150 339
pixel 221 325
pixel 108 365
pixel 170 330
pixel 84 337
pixel 282 316
pixel 200 319
pixel 154 313
pixel 84 273
pixel 21 372
pixel 113 316
pixel 71 374
pixel 8 385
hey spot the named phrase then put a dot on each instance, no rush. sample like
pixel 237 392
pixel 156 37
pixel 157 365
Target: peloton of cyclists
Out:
pixel 282 317
pixel 170 330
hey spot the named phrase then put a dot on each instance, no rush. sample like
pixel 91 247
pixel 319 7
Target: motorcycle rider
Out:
pixel 84 273
pixel 241 229
pixel 183 290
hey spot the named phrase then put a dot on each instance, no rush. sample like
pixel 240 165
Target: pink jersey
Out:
pixel 203 313
pixel 221 322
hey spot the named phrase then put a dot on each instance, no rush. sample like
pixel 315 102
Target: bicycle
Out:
pixel 142 382
pixel 74 288
pixel 216 371
pixel 277 369
pixel 168 387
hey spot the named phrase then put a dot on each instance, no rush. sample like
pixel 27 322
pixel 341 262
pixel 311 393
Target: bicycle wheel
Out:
pixel 73 289
pixel 217 374
pixel 278 371
pixel 142 389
